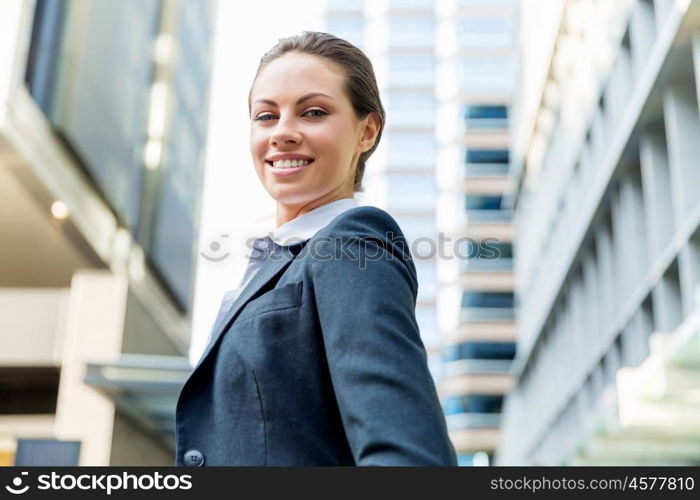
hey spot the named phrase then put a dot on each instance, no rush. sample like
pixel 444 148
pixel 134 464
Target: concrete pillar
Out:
pixel 95 324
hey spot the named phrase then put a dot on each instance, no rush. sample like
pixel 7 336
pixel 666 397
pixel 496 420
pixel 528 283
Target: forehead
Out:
pixel 295 74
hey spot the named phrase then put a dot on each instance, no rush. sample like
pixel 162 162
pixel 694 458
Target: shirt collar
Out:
pixel 305 226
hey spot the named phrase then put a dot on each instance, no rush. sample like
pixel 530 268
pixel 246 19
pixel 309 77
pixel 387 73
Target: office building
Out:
pixel 102 132
pixel 607 203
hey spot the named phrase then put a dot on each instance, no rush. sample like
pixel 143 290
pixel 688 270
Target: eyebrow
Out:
pixel 299 101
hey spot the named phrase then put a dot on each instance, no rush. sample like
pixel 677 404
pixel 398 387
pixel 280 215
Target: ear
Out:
pixel 370 129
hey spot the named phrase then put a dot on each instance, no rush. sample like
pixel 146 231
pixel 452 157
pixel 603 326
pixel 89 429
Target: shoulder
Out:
pixel 368 224
pixel 368 231
pixel 363 219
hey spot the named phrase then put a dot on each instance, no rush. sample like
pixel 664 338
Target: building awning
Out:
pixel 145 388
pixel 653 418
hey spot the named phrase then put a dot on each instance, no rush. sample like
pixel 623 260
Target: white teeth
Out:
pixel 289 163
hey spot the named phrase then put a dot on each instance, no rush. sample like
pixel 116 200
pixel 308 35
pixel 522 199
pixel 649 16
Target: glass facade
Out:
pixel 484 112
pixel 427 323
pixel 479 350
pixel 427 279
pixel 347 27
pixel 411 31
pixel 486 255
pixel 411 191
pixel 411 4
pixel 410 70
pixel 411 109
pixel 481 299
pixel 483 202
pixel 486 73
pixel 487 156
pixel 170 239
pixel 344 5
pixel 479 117
pixel 485 31
pixel 486 208
pixel 95 88
pixel 418 226
pixel 487 249
pixel 473 403
pixel 91 71
pixel 413 150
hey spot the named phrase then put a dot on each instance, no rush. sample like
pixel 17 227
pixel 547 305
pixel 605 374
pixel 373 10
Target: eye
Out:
pixel 315 113
pixel 263 117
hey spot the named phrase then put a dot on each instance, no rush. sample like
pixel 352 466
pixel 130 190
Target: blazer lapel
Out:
pixel 278 261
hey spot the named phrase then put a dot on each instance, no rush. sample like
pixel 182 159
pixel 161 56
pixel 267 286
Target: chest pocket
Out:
pixel 284 297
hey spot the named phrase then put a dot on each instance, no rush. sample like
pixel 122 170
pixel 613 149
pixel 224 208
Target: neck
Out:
pixel 285 213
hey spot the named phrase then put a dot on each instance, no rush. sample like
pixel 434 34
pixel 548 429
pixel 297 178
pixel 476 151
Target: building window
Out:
pixel 487 250
pixel 411 4
pixel 502 300
pixel 486 117
pixel 480 350
pixel 427 279
pixel 344 5
pixel 409 70
pixel 483 202
pixel 99 103
pixel 473 403
pixel 414 227
pixel 481 73
pixel 488 156
pixel 427 324
pixel 487 255
pixel 350 28
pixel 479 112
pixel 411 31
pixel 411 191
pixel 410 149
pixel 411 108
pixel 485 31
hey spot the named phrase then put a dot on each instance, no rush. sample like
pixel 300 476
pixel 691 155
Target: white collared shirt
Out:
pixel 305 226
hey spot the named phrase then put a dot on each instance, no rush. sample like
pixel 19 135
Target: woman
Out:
pixel 316 358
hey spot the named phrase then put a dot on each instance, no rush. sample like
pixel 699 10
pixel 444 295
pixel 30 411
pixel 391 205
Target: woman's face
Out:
pixel 304 136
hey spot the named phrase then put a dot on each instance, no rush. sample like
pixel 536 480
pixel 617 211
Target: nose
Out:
pixel 285 133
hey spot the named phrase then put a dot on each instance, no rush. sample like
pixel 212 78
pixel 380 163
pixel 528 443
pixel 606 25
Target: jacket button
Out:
pixel 194 458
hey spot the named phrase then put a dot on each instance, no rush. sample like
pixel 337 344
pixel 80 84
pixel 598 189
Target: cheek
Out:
pixel 336 143
pixel 258 143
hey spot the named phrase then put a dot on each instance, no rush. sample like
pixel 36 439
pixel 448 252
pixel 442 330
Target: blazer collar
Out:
pixel 307 225
pixel 278 261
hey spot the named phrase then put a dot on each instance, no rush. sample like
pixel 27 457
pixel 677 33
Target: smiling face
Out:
pixel 304 137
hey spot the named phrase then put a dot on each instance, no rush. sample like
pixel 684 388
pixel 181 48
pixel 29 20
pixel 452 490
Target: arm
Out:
pixel 377 362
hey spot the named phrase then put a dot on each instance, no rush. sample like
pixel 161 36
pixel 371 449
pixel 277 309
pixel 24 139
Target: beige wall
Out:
pixel 34 319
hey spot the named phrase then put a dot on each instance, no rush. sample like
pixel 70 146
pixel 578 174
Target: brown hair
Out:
pixel 360 82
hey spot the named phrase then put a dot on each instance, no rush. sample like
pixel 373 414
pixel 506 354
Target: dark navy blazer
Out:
pixel 319 361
